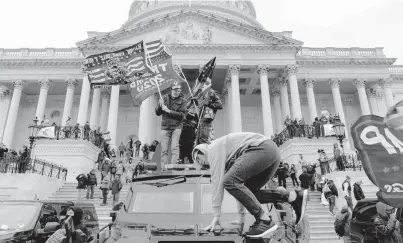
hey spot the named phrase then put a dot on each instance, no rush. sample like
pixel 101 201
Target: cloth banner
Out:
pixel 46 132
pixel 118 67
pixel 380 150
pixel 328 129
pixel 165 75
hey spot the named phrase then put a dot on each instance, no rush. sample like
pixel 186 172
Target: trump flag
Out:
pixel 381 152
pixel 164 76
pixel 118 67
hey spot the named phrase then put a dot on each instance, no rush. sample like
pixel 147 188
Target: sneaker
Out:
pixel 331 213
pixel 299 205
pixel 261 229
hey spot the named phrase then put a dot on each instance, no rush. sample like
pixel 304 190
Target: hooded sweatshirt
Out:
pixel 358 193
pixel 387 229
pixel 346 213
pixel 219 154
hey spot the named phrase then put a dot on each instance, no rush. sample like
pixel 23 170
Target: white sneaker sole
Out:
pixel 304 202
pixel 266 234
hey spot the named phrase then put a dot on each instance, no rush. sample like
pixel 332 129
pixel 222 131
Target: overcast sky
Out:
pixel 318 23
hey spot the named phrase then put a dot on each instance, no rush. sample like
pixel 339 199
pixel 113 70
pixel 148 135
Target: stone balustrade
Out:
pixel 67 53
pixel 396 69
pixel 341 52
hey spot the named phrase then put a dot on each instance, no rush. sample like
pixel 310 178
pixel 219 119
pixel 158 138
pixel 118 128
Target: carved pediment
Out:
pixel 189 32
pixel 189 27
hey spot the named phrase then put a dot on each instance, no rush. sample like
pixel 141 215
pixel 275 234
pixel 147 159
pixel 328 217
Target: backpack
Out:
pixel 92 179
pixel 339 224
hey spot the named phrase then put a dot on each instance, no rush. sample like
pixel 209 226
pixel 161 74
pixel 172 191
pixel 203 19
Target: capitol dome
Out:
pixel 242 11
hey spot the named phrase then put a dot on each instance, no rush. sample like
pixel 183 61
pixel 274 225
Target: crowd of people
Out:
pixel 10 159
pixel 313 177
pixel 298 128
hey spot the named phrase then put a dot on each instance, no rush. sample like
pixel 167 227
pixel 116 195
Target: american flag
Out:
pixel 125 64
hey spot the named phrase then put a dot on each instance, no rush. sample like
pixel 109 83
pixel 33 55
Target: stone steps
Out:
pixel 69 193
pixel 320 219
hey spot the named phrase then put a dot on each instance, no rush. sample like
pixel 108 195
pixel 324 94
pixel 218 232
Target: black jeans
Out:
pixel 282 182
pixel 294 179
pixel 186 143
pixel 340 165
pixel 332 202
pixel 248 173
pixel 121 153
pixel 104 195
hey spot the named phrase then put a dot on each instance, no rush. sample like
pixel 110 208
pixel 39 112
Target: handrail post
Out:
pixel 51 172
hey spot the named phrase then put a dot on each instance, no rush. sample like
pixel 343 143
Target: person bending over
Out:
pixel 242 163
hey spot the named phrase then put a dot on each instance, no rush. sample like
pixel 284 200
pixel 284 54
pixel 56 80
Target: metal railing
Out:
pixel 77 133
pixel 299 131
pixel 350 162
pixel 18 165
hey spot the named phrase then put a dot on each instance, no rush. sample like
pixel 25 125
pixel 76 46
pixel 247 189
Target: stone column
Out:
pixel 95 112
pixel 84 100
pixel 13 112
pixel 68 103
pixel 266 105
pixel 335 84
pixel 310 94
pixel 381 102
pixel 229 100
pixel 235 99
pixel 295 100
pixel 144 121
pixel 277 110
pixel 386 84
pixel 372 97
pixel 362 96
pixel 43 95
pixel 104 109
pixel 5 99
pixel 285 105
pixel 113 114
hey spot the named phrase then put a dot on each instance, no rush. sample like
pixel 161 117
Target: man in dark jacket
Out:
pixel 331 193
pixel 281 175
pixel 358 193
pixel 3 151
pixel 82 184
pixel 211 104
pixel 172 108
pixel 386 224
pixel 92 182
pixel 305 179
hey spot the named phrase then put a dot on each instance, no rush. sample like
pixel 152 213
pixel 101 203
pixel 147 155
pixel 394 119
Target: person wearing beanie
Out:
pixel 172 108
pixel 242 163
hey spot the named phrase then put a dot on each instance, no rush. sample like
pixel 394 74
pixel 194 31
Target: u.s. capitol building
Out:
pixel 262 76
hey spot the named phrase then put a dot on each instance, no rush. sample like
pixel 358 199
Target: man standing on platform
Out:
pixel 172 108
pixel 211 104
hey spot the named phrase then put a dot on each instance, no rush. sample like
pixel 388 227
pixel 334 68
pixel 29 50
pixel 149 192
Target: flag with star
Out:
pixel 207 71
pixel 119 67
pixel 381 152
